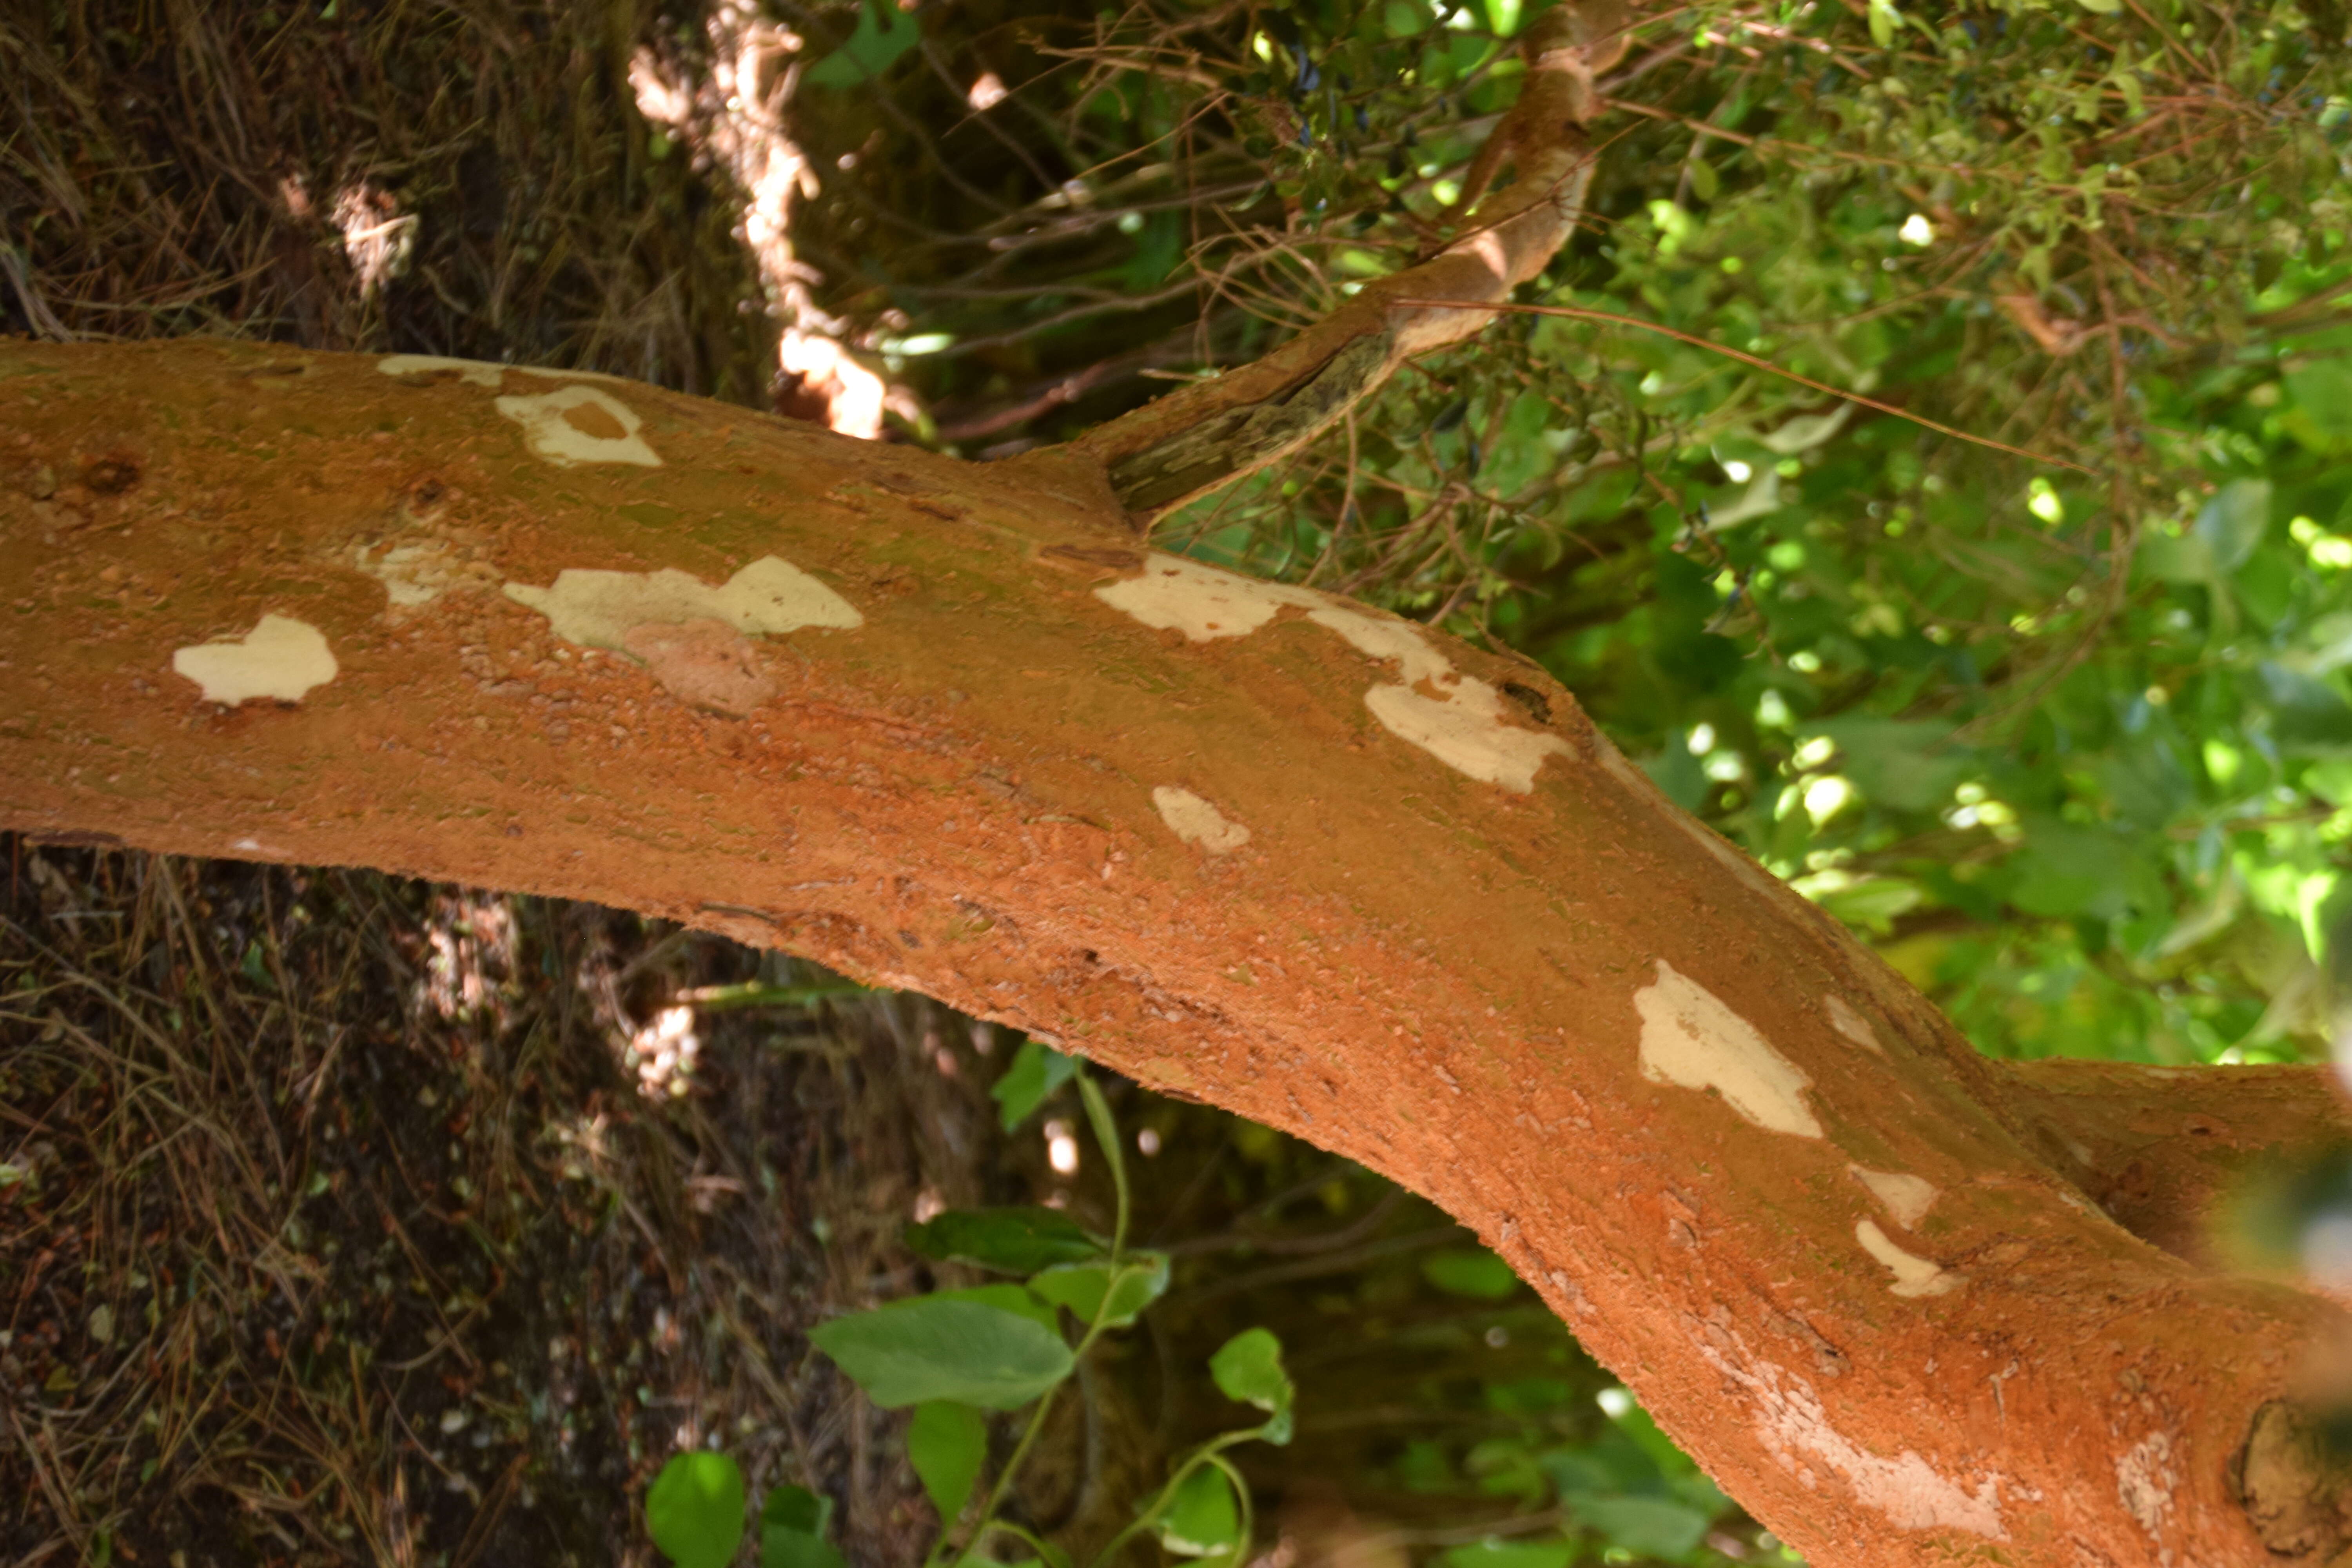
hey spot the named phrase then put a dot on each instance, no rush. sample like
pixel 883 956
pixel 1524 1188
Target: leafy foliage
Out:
pixel 955 1353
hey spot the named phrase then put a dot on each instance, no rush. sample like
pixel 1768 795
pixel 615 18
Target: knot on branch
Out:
pixel 2294 1479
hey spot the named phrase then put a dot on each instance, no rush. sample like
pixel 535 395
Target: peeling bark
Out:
pixel 945 727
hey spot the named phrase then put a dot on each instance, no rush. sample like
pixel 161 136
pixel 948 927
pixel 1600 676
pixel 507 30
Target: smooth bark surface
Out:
pixel 947 727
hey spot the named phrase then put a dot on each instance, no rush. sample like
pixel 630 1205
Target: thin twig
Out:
pixel 1578 313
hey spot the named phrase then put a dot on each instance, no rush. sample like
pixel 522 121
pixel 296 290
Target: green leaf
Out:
pixel 1037 1070
pixel 1884 19
pixel 1142 1279
pixel 1494 1554
pixel 2104 7
pixel 789 1506
pixel 792 1549
pixel 694 1509
pixel 1648 1526
pixel 2306 713
pixel 2319 398
pixel 948 1443
pixel 2175 558
pixel 1470 1271
pixel 1248 1369
pixel 1873 902
pixel 2067 869
pixel 792 1522
pixel 1202 1518
pixel 2235 521
pixel 994 1347
pixel 1011 1240
pixel 882 34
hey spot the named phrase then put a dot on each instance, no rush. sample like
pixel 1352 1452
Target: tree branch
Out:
pixel 1193 441
pixel 2160 1148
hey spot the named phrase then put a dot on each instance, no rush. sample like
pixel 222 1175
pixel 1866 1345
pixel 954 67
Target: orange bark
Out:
pixel 952 730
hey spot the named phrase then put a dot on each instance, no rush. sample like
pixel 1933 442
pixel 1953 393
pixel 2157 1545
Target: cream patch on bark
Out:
pixel 577 425
pixel 1460 720
pixel 476 371
pixel 1177 595
pixel 1908 1198
pixel 2145 1481
pixel 1906 1490
pixel 280 658
pixel 1913 1276
pixel 1851 1024
pixel 1691 1039
pixel 1195 821
pixel 599 609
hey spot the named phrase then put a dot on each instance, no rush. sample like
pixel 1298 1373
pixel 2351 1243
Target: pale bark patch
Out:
pixel 2145 1481
pixel 1691 1039
pixel 599 609
pixel 706 663
pixel 280 658
pixel 1913 1276
pixel 1195 821
pixel 1201 602
pixel 418 572
pixel 1852 1024
pixel 476 371
pixel 577 424
pixel 1458 719
pixel 1906 1490
pixel 1908 1197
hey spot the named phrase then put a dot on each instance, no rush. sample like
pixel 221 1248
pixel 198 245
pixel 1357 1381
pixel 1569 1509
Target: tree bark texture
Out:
pixel 948 726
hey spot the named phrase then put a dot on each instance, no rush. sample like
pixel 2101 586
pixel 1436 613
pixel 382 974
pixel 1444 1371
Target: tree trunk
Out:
pixel 951 728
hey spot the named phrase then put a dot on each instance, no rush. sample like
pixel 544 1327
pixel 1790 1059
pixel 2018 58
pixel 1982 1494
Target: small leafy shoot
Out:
pixel 792 1524
pixel 1037 1070
pixel 995 1347
pixel 1010 1240
pixel 694 1509
pixel 947 1443
pixel 1248 1370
